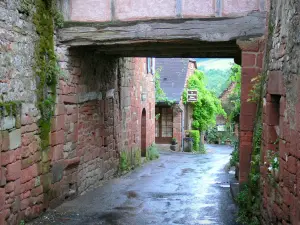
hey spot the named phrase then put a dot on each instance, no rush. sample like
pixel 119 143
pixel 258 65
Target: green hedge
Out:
pixel 195 134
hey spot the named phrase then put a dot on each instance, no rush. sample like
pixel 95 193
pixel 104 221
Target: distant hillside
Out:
pixel 216 80
pixel 217 72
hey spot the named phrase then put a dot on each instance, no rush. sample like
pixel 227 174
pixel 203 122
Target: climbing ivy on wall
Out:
pixel 46 68
pixel 208 105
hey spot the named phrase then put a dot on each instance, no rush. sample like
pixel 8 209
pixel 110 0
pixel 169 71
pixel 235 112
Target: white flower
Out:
pixel 270 168
pixel 275 160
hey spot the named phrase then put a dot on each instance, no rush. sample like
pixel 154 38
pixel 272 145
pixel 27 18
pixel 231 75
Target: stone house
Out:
pixel 173 120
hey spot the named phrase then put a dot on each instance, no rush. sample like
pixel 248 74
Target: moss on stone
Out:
pixel 9 108
pixel 46 68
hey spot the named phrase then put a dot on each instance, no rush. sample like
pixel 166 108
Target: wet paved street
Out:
pixel 179 188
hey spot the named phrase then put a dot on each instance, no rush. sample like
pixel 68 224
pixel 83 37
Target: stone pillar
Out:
pixel 252 60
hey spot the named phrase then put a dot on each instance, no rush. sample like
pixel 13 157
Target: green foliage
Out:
pixel 58 18
pixel 9 108
pixel 137 158
pixel 234 106
pixel 160 95
pixel 22 222
pixel 249 198
pixel 208 105
pixel 152 152
pixel 46 68
pixel 214 136
pixel 235 155
pixel 197 145
pixel 254 94
pixel 216 80
pixel 130 160
pixel 124 165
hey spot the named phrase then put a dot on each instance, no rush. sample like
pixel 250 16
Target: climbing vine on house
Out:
pixel 207 107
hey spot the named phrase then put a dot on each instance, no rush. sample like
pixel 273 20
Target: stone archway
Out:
pixel 143 133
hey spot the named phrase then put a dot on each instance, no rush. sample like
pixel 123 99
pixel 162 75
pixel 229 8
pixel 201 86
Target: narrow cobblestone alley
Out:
pixel 179 188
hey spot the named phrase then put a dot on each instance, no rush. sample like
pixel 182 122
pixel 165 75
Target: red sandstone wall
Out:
pixel 87 133
pixel 281 117
pixel 252 60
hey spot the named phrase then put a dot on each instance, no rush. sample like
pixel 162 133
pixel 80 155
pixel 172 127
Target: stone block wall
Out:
pixel 86 129
pixel 252 63
pixel 281 113
pixel 21 192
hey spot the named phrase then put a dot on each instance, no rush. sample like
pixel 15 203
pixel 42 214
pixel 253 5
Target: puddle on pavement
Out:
pixel 186 170
pixel 110 217
pixel 132 194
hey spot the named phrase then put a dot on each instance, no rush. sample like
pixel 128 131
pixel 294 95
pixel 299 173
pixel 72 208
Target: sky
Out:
pixel 214 63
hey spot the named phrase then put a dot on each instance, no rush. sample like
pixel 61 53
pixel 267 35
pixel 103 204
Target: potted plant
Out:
pixel 174 141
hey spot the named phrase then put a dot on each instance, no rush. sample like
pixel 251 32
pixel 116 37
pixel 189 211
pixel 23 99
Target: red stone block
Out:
pixel 248 59
pixel 29 128
pixel 2 198
pixel 37 191
pixel 292 164
pixel 5 140
pixel 259 60
pixel 27 186
pixel 13 171
pixel 287 196
pixel 246 123
pixel 8 157
pixel 29 173
pixel 248 108
pixel 278 211
pixel 56 152
pixel 275 84
pixel 59 109
pixel 72 99
pixel 282 106
pixel 9 187
pixel 271 135
pixel 25 203
pixel 57 138
pixel 58 123
pixel 3 216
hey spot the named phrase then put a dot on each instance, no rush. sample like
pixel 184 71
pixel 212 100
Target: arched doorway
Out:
pixel 143 134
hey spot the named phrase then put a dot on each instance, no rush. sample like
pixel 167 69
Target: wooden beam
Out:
pixel 204 29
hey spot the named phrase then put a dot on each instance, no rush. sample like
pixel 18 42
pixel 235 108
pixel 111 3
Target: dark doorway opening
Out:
pixel 143 133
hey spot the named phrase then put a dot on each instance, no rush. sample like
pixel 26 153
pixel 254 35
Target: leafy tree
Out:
pixel 207 107
pixel 216 80
pixel 235 97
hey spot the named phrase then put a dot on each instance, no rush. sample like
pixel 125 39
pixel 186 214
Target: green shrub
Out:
pixel 195 134
pixel 235 154
pixel 124 165
pixel 152 152
pixel 137 158
pixel 202 148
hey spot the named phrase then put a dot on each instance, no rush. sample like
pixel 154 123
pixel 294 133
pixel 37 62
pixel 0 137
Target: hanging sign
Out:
pixel 192 95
